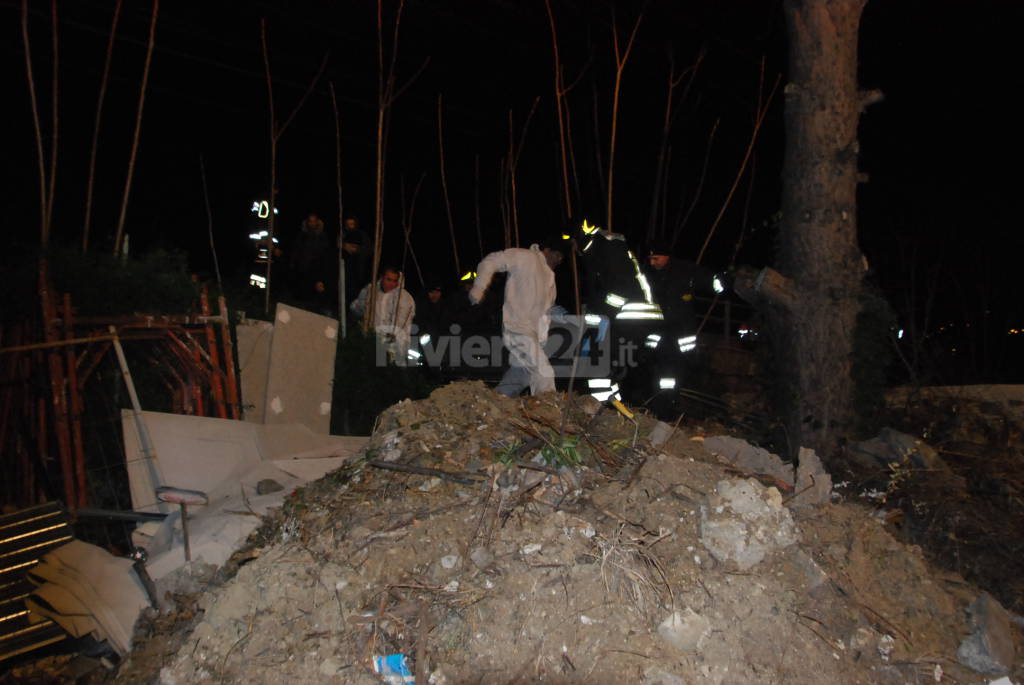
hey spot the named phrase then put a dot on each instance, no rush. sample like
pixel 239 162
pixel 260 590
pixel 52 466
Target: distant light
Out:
pixel 257 280
pixel 592 319
pixel 468 276
pixel 666 383
pixel 565 236
pixel 652 340
pixel 899 334
pixel 425 339
pixel 717 284
pixel 587 228
pixel 598 383
pixel 687 343
pixel 414 355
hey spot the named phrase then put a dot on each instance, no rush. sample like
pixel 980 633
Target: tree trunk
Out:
pixel 818 252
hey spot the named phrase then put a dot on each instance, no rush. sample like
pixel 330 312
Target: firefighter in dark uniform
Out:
pixel 674 282
pixel 609 278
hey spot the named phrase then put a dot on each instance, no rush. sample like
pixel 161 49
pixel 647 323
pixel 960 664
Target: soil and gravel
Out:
pixel 508 541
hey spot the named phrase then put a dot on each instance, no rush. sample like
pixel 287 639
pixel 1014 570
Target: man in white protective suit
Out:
pixel 393 312
pixel 529 296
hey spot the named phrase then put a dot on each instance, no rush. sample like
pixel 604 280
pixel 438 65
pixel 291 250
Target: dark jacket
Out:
pixel 357 264
pixel 608 269
pixel 674 287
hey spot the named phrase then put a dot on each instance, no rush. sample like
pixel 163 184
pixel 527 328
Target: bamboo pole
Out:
pixel 559 95
pixel 87 223
pixel 383 89
pixel 515 150
pixel 762 111
pixel 33 471
pixel 681 221
pixel 342 293
pixel 272 200
pixel 7 411
pixel 513 202
pixel 668 116
pixel 55 343
pixel 119 235
pixel 44 224
pixel 55 132
pixel 234 402
pixel 621 57
pixel 407 228
pixel 386 95
pixel 476 206
pixel 506 214
pixel 216 385
pixel 209 223
pixel 145 441
pixel 43 442
pixel 198 401
pixel 94 356
pixel 599 166
pixel 58 398
pixel 444 183
pixel 75 396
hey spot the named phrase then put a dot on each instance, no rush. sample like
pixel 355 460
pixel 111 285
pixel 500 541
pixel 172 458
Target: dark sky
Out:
pixel 942 150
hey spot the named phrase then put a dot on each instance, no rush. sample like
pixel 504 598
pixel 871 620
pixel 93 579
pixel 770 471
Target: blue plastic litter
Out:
pixel 394 668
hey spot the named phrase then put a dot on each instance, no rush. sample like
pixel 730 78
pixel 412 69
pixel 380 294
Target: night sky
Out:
pixel 942 151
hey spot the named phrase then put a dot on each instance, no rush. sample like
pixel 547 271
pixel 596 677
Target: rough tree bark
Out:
pixel 813 298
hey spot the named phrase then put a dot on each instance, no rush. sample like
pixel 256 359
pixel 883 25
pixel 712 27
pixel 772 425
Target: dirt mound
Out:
pixel 497 540
pixel 966 507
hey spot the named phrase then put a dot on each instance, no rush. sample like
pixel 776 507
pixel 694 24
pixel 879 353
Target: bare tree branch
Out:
pixel 44 226
pixel 87 223
pixel 119 235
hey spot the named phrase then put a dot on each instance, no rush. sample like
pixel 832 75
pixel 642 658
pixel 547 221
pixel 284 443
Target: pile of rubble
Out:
pixel 488 539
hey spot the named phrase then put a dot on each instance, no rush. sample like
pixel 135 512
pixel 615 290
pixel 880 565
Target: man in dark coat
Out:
pixel 674 282
pixel 310 264
pixel 356 251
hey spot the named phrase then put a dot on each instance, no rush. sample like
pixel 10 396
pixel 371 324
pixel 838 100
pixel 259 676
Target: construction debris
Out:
pixel 808 483
pixel 242 470
pixel 532 540
pixel 88 591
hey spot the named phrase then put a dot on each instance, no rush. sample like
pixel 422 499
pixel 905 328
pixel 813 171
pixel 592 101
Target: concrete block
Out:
pixel 751 459
pixel 744 521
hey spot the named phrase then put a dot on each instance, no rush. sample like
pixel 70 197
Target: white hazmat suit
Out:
pixel 392 318
pixel 529 295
